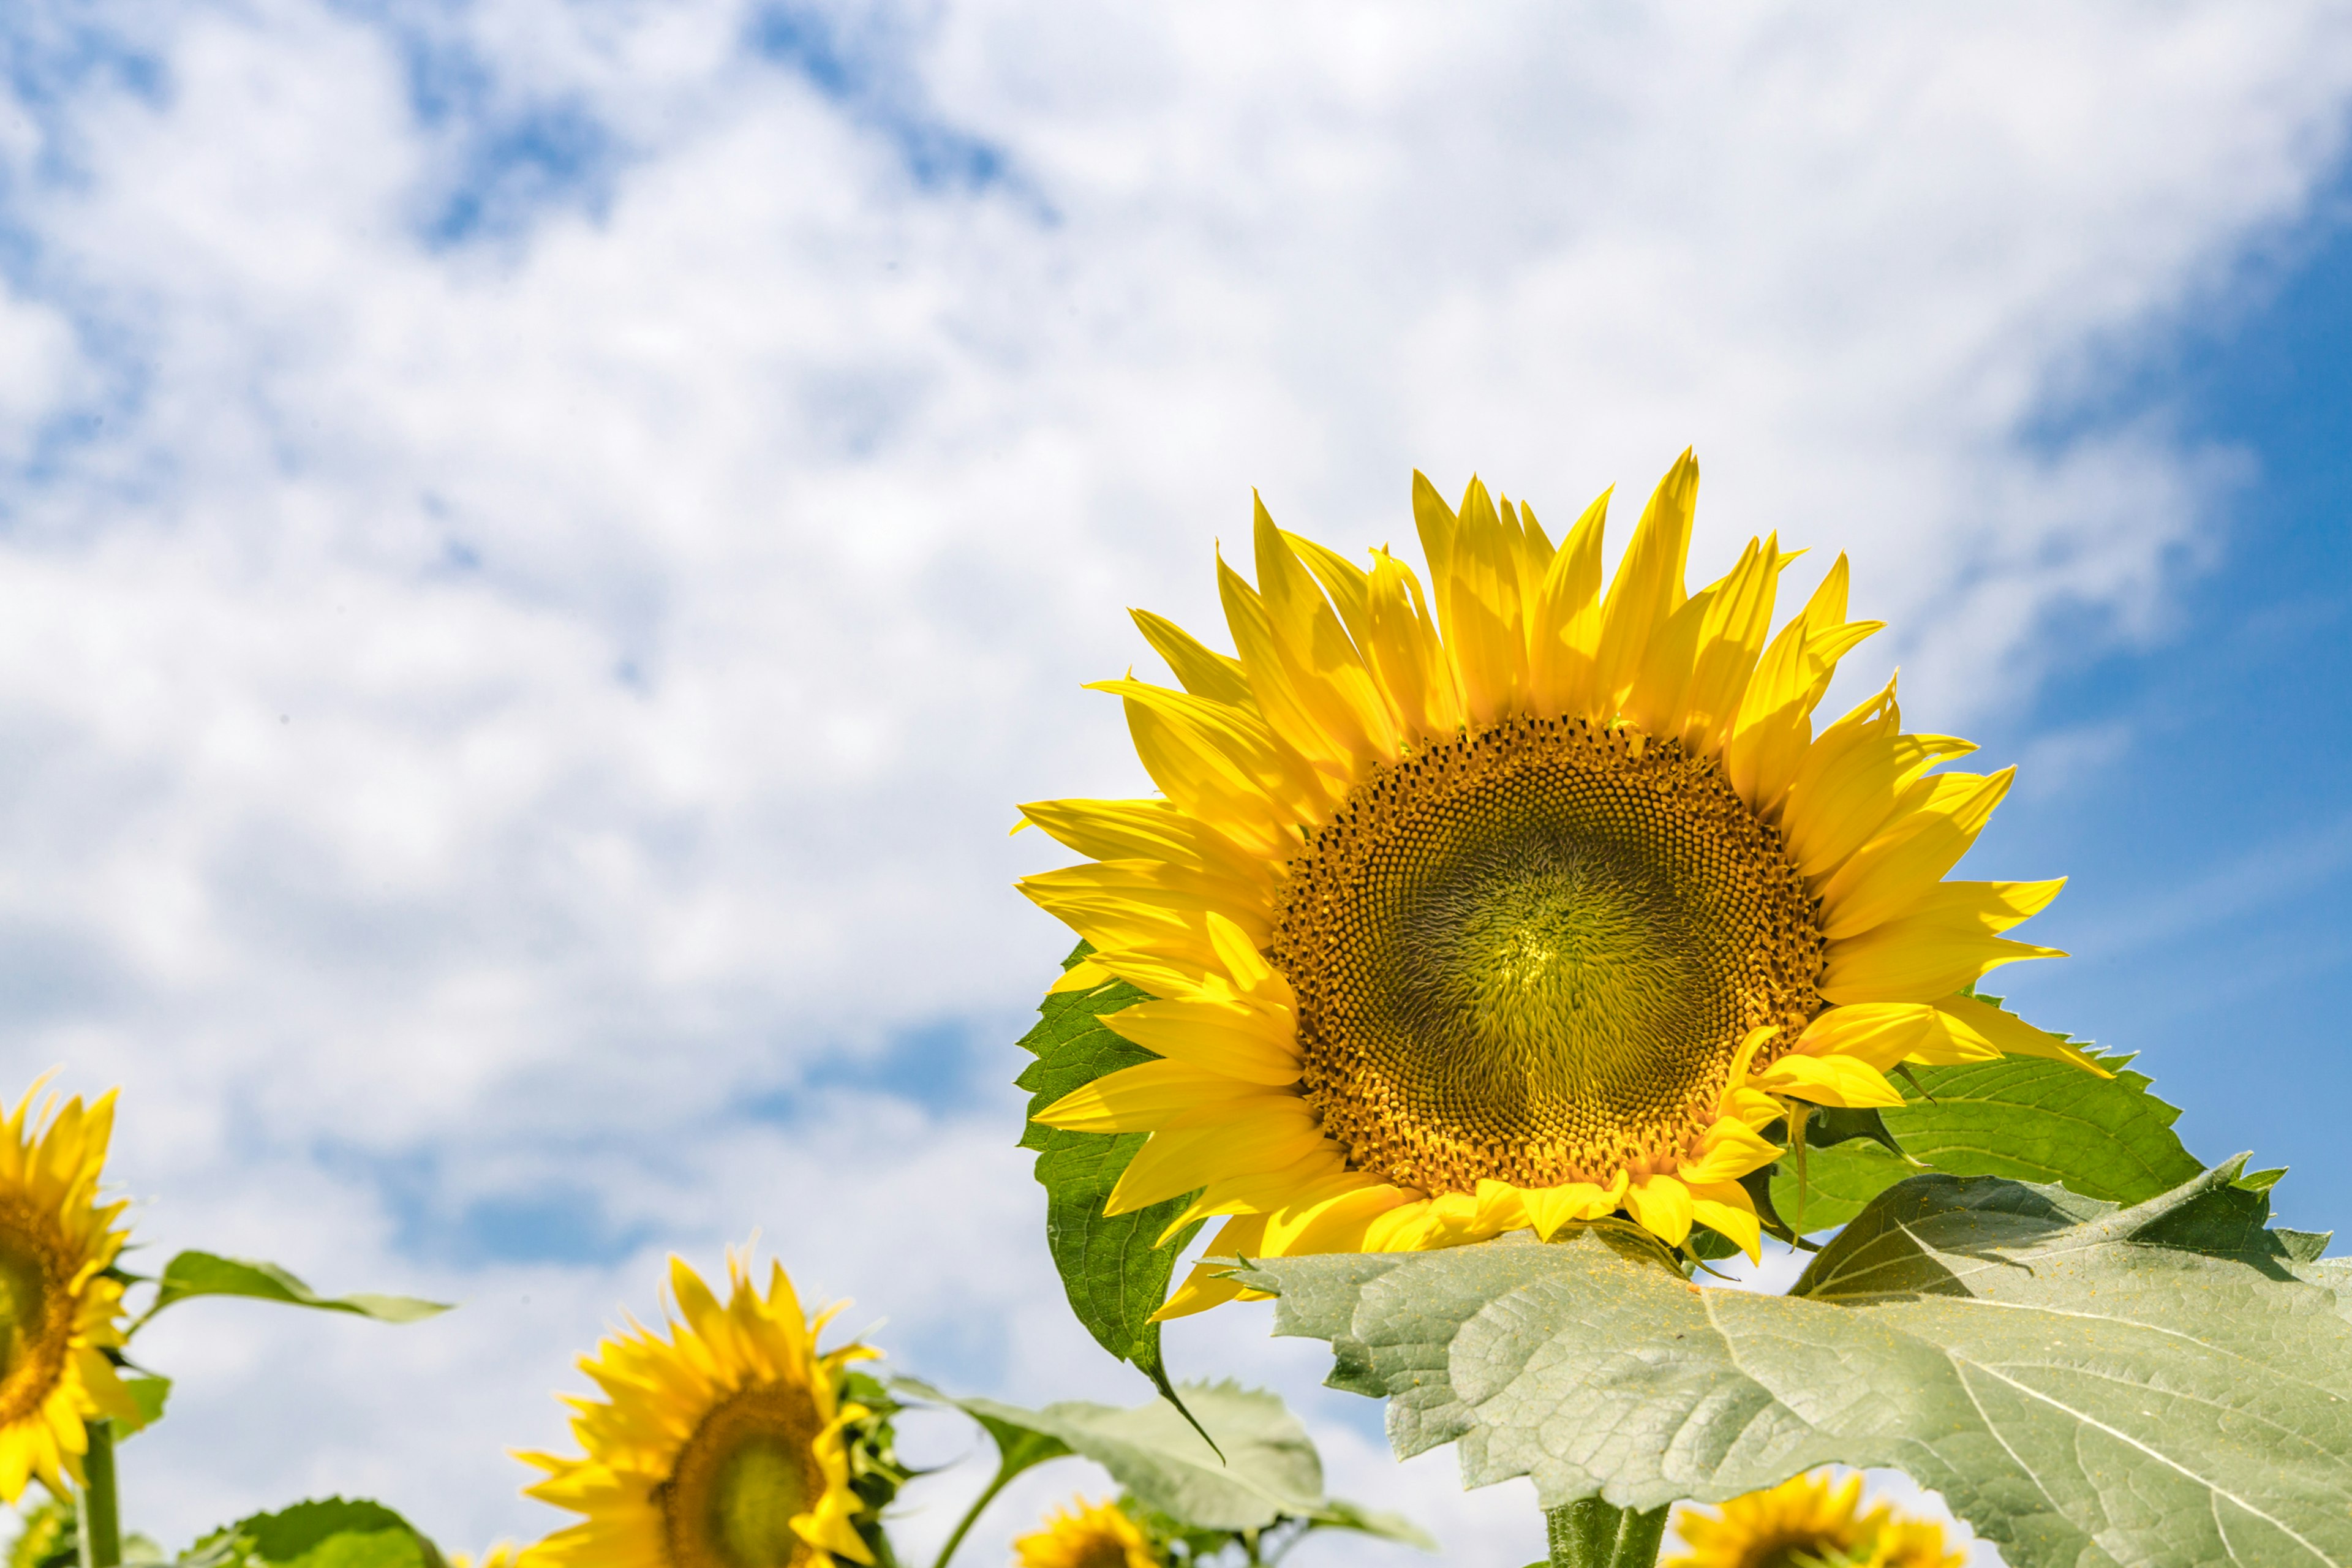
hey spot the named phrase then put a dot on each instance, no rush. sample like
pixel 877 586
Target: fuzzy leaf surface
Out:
pixel 1270 1470
pixel 1113 1275
pixel 2168 1383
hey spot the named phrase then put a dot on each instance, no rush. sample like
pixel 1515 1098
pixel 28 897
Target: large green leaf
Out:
pixel 2168 1383
pixel 194 1274
pixel 332 1532
pixel 2026 1118
pixel 1115 1275
pixel 1269 1471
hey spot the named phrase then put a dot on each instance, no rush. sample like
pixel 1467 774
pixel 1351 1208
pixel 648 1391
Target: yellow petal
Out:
pixel 1841 1082
pixel 1479 607
pixel 1199 669
pixel 1275 681
pixel 1660 1205
pixel 1840 805
pixel 1254 1135
pixel 1405 649
pixel 1319 661
pixel 2013 1035
pixel 1564 628
pixel 1935 821
pixel 1553 1209
pixel 1916 959
pixel 1084 976
pixel 1879 1032
pixel 1146 1098
pixel 1732 1150
pixel 1335 1223
pixel 1726 1208
pixel 1242 1236
pixel 1254 1045
pixel 1144 829
pixel 1223 765
pixel 1648 588
pixel 1730 640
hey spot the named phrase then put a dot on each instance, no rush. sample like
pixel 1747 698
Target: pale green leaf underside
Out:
pixel 2161 1386
pixel 1273 1473
pixel 194 1274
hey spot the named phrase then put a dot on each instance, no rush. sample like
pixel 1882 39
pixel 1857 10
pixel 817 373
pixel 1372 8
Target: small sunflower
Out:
pixel 720 1443
pixel 1086 1535
pixel 1810 1522
pixel 60 1311
pixel 1513 904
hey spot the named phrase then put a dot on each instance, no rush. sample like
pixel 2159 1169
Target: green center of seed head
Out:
pixel 1565 972
pixel 758 1490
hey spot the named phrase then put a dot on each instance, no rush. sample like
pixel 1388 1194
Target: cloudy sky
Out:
pixel 539 540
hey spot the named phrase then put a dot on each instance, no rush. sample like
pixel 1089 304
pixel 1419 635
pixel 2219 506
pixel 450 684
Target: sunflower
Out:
pixel 1809 1520
pixel 1086 1535
pixel 1513 904
pixel 718 1445
pixel 60 1310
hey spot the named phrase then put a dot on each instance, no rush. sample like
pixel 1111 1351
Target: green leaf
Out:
pixel 2025 1118
pixel 194 1274
pixel 2162 1384
pixel 148 1393
pixel 1839 1180
pixel 1112 1269
pixel 1270 1470
pixel 331 1532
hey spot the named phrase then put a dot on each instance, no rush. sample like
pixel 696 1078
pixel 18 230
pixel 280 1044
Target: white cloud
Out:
pixel 486 705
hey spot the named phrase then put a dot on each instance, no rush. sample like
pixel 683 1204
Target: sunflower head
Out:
pixel 1511 901
pixel 1810 1522
pixel 60 1310
pixel 1086 1535
pixel 723 1441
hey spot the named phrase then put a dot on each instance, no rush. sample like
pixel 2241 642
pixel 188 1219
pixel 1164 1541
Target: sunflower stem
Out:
pixel 101 1519
pixel 972 1515
pixel 1592 1534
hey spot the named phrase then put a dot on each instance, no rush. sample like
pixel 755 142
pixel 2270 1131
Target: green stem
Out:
pixel 1592 1534
pixel 972 1516
pixel 100 1519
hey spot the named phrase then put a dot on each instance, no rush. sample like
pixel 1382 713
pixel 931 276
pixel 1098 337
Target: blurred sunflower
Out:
pixel 1515 904
pixel 60 1311
pixel 1810 1522
pixel 720 1443
pixel 1086 1535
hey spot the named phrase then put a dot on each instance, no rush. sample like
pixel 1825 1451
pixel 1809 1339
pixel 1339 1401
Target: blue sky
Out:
pixel 2206 821
pixel 539 544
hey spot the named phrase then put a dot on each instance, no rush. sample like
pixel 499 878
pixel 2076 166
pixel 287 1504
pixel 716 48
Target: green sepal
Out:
pixel 1114 1268
pixel 194 1274
pixel 331 1533
pixel 2165 1384
pixel 875 1473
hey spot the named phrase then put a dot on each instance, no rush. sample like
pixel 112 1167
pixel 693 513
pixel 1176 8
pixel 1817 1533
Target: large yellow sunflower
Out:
pixel 1810 1522
pixel 1516 903
pixel 1086 1535
pixel 59 1309
pixel 718 1445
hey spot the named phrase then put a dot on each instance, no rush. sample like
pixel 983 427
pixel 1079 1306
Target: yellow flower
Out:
pixel 1807 1520
pixel 1514 904
pixel 717 1445
pixel 60 1311
pixel 1086 1535
pixel 505 1554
